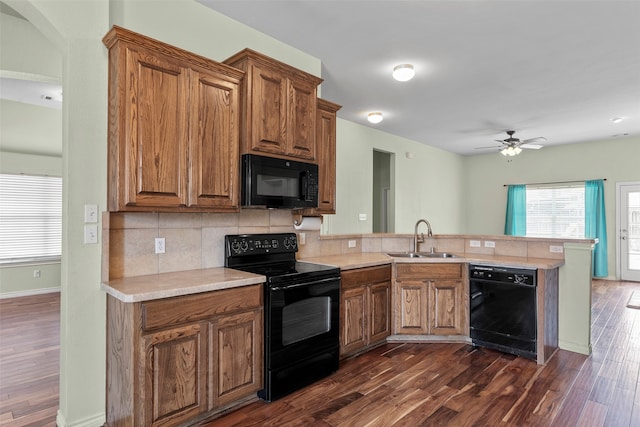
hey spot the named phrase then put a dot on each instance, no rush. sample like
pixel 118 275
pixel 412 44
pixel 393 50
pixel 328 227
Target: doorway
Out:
pixel 383 220
pixel 628 204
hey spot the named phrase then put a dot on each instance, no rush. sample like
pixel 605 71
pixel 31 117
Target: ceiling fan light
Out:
pixel 504 152
pixel 517 150
pixel 403 72
pixel 375 117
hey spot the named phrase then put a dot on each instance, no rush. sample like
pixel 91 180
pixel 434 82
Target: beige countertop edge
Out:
pixel 353 261
pixel 179 283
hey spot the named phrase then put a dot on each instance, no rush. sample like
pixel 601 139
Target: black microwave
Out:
pixel 278 183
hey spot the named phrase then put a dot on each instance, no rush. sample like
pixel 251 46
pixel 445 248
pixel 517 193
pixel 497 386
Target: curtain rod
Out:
pixel 554 182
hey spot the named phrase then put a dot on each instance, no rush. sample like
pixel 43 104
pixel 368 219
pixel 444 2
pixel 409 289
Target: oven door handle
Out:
pixel 298 285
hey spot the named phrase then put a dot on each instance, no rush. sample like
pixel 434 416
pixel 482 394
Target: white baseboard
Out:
pixel 29 292
pixel 95 421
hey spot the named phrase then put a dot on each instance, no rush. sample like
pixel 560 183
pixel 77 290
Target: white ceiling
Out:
pixel 558 69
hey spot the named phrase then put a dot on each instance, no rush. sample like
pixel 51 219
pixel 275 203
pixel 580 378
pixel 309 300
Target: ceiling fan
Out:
pixel 513 146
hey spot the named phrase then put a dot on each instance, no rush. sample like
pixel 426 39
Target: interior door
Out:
pixel 629 230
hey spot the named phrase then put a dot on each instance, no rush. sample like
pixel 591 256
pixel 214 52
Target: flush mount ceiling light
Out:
pixel 616 119
pixel 375 117
pixel 403 72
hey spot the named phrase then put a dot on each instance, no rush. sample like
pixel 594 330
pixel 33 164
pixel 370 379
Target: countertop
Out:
pixel 359 260
pixel 166 285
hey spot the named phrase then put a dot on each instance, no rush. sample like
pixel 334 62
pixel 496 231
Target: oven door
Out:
pixel 301 335
pixel 301 320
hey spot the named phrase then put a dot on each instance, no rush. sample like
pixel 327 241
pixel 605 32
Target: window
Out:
pixel 555 211
pixel 30 218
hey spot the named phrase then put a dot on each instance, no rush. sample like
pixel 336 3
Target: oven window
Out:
pixel 269 185
pixel 305 319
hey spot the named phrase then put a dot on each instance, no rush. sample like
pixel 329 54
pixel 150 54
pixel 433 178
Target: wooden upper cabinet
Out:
pixel 326 143
pixel 214 142
pixel 279 107
pixel 155 152
pixel 173 128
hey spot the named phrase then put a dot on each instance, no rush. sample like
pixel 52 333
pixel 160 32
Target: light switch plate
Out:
pixel 90 214
pixel 489 244
pixel 90 234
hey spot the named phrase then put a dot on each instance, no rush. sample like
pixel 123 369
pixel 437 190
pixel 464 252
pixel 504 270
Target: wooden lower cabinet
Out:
pixel 234 341
pixel 174 381
pixel 365 308
pixel 431 299
pixel 175 360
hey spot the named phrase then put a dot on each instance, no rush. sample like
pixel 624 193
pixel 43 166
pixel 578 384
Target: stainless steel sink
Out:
pixel 421 254
pixel 405 255
pixel 438 255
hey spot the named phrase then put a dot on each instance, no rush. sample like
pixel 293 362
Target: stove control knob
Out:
pixel 235 246
pixel 244 246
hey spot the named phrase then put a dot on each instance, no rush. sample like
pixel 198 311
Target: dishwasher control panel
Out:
pixel 498 274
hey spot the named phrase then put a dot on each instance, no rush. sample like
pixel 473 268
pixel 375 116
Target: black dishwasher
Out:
pixel 503 309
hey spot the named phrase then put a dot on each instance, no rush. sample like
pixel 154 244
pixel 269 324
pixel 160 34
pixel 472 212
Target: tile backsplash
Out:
pixel 192 240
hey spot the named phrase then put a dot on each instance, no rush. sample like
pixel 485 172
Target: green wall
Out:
pixel 485 177
pixel 449 183
pixel 439 176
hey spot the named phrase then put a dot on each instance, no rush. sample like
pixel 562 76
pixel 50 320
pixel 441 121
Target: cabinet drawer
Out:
pixel 428 271
pixel 196 307
pixel 361 276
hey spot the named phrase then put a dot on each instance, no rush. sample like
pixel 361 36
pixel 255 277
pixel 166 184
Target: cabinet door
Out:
pixel 155 135
pixel 379 311
pixel 214 142
pixel 353 306
pixel 446 307
pixel 268 111
pixel 326 155
pixel 301 129
pixel 413 300
pixel 174 375
pixel 235 357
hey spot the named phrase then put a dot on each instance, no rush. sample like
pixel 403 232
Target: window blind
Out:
pixel 556 211
pixel 30 218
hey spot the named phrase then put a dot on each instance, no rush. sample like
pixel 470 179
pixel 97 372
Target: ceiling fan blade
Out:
pixel 484 148
pixel 531 146
pixel 537 139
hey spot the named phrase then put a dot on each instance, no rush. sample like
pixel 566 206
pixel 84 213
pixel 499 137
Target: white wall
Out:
pixel 485 177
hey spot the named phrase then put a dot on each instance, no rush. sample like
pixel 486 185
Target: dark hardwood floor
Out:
pixel 393 385
pixel 457 385
pixel 29 360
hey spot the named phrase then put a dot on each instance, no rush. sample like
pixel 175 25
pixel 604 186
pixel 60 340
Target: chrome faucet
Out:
pixel 420 239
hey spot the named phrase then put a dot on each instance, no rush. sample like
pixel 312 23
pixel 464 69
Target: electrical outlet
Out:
pixel 302 238
pixel 352 243
pixel 160 248
pixel 556 249
pixel 362 217
pixel 36 274
pixel 489 244
pixel 474 243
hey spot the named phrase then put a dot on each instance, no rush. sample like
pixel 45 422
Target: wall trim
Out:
pixel 94 421
pixel 29 292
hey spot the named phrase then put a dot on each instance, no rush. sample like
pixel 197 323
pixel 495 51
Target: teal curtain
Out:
pixel 515 223
pixel 595 224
